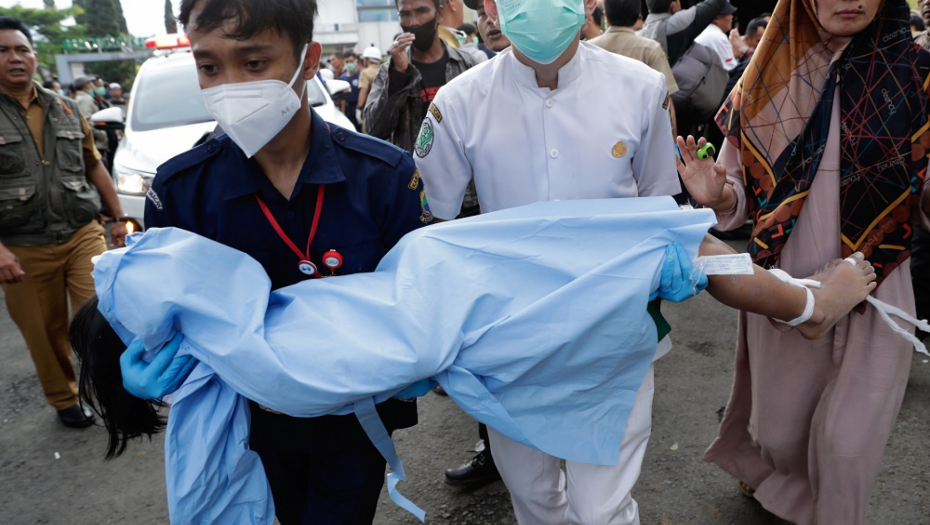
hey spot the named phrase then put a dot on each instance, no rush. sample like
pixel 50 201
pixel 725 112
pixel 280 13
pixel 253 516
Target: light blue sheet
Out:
pixel 533 320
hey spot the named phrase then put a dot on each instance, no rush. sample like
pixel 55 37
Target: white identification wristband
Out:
pixel 737 264
pixel 803 283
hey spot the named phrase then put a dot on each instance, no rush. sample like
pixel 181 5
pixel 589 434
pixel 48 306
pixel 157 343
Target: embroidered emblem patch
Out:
pixel 415 181
pixel 427 216
pixel 152 196
pixel 619 150
pixel 435 111
pixel 425 140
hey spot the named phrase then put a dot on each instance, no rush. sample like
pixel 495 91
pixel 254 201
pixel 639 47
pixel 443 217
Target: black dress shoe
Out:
pixel 76 416
pixel 476 473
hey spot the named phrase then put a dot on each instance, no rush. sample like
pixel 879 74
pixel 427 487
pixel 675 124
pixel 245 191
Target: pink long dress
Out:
pixel 808 421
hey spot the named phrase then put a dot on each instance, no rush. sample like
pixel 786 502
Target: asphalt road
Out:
pixel 53 475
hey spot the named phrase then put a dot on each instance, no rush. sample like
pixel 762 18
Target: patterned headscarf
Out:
pixel 779 117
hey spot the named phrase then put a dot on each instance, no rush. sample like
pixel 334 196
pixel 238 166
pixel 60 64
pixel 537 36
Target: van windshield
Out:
pixel 169 97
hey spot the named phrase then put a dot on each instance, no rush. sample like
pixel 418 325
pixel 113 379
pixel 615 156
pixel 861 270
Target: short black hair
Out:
pixel 622 13
pixel 918 23
pixel 659 6
pixel 598 16
pixel 754 26
pixel 349 53
pixel 8 22
pixel 468 29
pixel 337 54
pixel 291 18
pixel 436 3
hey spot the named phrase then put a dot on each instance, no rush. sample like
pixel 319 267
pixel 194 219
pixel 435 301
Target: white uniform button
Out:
pixel 554 153
pixel 549 103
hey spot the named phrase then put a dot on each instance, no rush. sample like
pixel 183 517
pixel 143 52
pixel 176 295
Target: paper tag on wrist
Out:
pixel 739 264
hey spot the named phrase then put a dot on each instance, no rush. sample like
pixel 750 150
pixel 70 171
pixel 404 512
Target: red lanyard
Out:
pixel 305 265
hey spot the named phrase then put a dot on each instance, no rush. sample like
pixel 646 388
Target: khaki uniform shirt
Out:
pixel 367 76
pixel 624 41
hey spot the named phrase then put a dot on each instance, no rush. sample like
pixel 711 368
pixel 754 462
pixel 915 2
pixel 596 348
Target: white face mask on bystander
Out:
pixel 253 113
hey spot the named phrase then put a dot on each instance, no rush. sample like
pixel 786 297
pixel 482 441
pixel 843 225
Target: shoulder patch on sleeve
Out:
pixel 426 216
pixel 415 181
pixel 436 113
pixel 191 158
pixel 424 140
pixel 370 146
pixel 668 99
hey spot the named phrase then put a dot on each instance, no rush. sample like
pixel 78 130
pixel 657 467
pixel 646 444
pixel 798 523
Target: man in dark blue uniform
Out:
pixel 306 200
pixel 350 104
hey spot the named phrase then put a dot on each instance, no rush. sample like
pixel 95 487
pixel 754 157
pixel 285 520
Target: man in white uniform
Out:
pixel 715 36
pixel 521 125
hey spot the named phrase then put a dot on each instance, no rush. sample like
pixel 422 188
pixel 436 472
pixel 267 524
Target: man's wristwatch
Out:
pixel 124 218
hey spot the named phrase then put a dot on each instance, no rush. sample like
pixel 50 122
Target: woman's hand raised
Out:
pixel 704 179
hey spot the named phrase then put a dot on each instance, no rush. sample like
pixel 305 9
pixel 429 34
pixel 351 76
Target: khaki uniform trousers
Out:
pixel 39 305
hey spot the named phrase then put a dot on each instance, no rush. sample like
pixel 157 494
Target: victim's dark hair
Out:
pixel 98 349
pixel 292 18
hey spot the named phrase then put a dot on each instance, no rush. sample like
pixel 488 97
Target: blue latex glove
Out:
pixel 165 374
pixel 418 389
pixel 679 280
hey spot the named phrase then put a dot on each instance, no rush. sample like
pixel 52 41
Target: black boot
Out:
pixel 476 473
pixel 76 416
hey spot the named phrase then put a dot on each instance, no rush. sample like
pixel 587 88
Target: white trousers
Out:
pixel 584 494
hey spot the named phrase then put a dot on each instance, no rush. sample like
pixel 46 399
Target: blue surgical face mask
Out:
pixel 541 29
pixel 100 91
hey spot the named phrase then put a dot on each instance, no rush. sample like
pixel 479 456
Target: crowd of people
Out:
pixel 821 145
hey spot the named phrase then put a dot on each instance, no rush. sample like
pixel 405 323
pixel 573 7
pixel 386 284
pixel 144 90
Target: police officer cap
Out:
pixel 472 4
pixel 728 9
pixel 372 52
pixel 83 81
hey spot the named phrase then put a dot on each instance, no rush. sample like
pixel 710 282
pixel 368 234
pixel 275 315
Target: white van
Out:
pixel 167 116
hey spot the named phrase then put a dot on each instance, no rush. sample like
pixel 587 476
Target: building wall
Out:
pixel 381 34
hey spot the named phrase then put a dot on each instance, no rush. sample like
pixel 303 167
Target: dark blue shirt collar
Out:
pixel 321 166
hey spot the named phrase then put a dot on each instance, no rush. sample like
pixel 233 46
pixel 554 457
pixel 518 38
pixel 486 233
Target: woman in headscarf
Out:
pixel 826 152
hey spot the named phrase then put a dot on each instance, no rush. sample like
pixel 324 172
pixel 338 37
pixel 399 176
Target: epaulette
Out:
pixel 368 145
pixel 190 158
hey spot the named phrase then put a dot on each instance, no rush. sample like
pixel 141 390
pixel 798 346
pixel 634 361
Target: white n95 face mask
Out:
pixel 253 113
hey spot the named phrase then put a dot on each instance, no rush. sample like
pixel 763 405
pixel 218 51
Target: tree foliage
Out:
pixel 104 18
pixel 171 23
